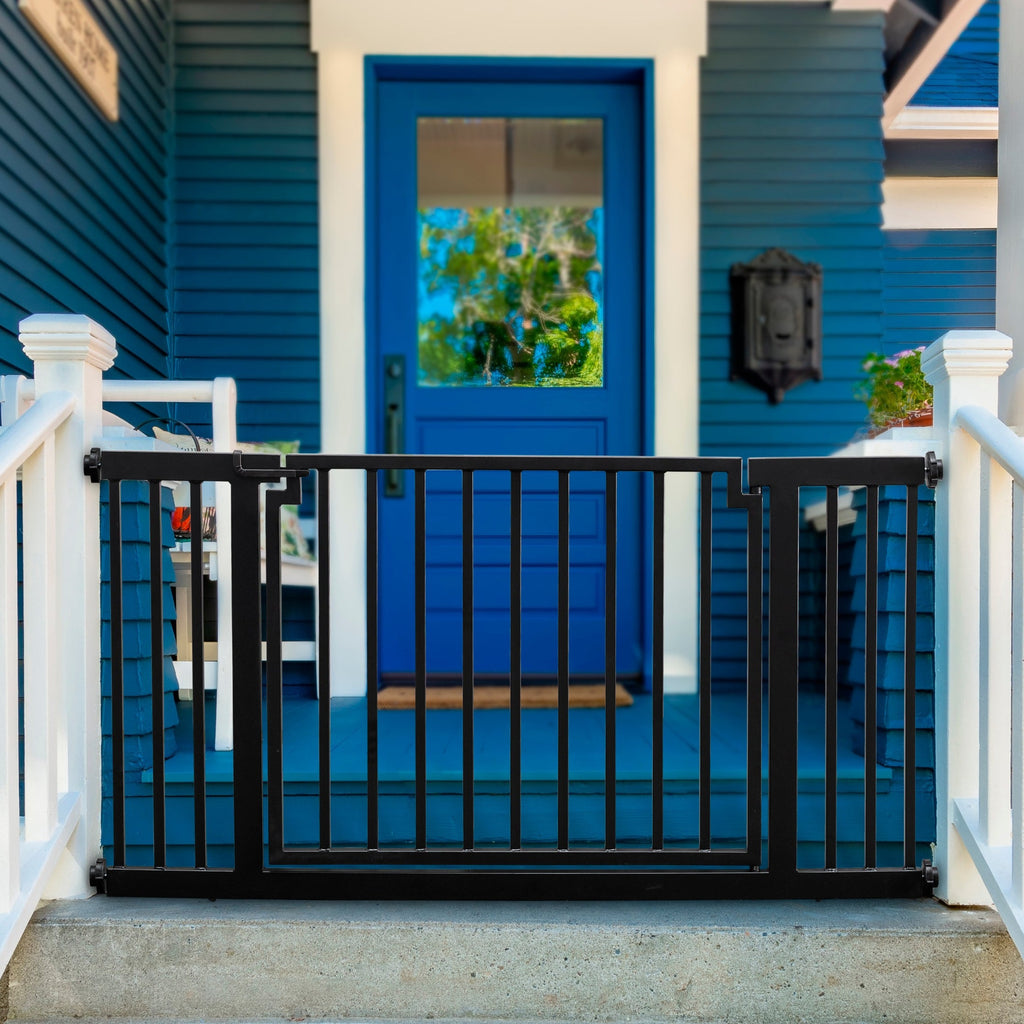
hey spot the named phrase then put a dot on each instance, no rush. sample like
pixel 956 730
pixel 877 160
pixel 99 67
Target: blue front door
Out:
pixel 506 291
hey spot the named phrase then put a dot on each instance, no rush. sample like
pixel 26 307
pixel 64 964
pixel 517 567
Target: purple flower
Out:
pixel 903 355
pixel 899 384
pixel 920 348
pixel 892 361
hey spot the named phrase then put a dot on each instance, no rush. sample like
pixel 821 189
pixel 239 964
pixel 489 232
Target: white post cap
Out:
pixel 966 354
pixel 69 337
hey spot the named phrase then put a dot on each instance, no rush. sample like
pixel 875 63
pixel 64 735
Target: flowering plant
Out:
pixel 895 390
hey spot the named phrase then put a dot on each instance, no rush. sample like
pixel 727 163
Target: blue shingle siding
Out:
pixel 968 76
pixel 937 281
pixel 82 199
pixel 245 248
pixel 792 156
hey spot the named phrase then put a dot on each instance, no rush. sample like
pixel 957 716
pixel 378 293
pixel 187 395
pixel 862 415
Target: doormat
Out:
pixel 449 698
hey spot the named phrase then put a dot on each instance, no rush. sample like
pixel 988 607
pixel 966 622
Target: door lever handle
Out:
pixel 394 422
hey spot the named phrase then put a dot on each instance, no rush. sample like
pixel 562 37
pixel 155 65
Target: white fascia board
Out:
pixel 862 5
pixel 945 123
pixel 950 203
pixel 956 19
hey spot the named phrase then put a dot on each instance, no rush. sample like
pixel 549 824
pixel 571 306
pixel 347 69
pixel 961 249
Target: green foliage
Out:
pixel 512 297
pixel 895 388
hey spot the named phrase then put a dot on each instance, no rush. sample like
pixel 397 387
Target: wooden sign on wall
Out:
pixel 75 36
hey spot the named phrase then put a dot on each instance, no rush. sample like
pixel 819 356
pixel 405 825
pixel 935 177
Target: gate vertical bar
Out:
pixel 783 665
pixel 467 660
pixel 198 671
pixel 323 653
pixel 420 517
pixel 755 614
pixel 831 669
pixel 870 674
pixel 610 622
pixel 275 683
pixel 117 668
pixel 247 711
pixel 515 584
pixel 910 687
pixel 156 640
pixel 372 649
pixel 704 680
pixel 658 668
pixel 563 659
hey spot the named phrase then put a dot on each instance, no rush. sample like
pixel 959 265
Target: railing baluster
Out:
pixel 156 623
pixel 563 659
pixel 467 660
pixel 910 687
pixel 372 647
pixel 41 708
pixel 10 812
pixel 1017 701
pixel 117 670
pixel 704 680
pixel 610 623
pixel 870 674
pixel 515 659
pixel 198 667
pixel 421 657
pixel 994 666
pixel 658 667
pixel 831 669
pixel 323 652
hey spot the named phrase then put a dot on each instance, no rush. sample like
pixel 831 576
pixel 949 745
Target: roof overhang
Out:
pixel 919 33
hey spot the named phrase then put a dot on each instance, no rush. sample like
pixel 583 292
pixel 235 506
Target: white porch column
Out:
pixel 964 368
pixel 1010 236
pixel 70 354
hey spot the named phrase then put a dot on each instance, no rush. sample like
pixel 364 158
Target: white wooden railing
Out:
pixel 48 844
pixel 979 629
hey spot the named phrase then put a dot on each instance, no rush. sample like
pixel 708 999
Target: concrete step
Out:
pixel 769 963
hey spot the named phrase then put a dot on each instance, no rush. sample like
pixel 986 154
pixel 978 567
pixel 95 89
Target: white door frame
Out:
pixel 671 33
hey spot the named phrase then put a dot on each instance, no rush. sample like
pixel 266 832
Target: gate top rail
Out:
pixel 762 472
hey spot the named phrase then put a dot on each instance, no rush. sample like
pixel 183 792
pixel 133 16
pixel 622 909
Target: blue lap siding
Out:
pixel 937 281
pixel 792 157
pixel 82 199
pixel 245 236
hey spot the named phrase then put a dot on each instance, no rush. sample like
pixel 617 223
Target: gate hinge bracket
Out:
pixel 932 469
pixel 94 465
pixel 265 472
pixel 930 874
pixel 98 875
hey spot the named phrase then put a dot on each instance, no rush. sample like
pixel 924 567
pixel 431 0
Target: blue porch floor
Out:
pixel 539 754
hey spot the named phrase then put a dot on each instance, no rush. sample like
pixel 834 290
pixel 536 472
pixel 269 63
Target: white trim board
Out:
pixel 940 203
pixel 673 35
pixel 945 123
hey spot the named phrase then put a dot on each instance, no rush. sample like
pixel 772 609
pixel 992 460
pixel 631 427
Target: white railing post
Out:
pixel 69 354
pixel 964 368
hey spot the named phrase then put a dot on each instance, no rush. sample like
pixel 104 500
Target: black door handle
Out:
pixel 394 422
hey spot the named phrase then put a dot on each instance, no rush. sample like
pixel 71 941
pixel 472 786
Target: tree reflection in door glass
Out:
pixel 510 286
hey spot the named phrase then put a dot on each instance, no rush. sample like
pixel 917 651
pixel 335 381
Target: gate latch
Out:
pixel 932 469
pixel 265 472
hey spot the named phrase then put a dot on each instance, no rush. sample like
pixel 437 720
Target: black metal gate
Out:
pixel 680 856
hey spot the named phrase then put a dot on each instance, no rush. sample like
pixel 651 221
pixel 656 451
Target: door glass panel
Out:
pixel 511 230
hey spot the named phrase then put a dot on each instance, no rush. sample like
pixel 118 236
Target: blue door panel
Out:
pixel 509 420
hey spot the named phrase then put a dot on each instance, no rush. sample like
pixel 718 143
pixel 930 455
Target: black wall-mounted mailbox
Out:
pixel 776 322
